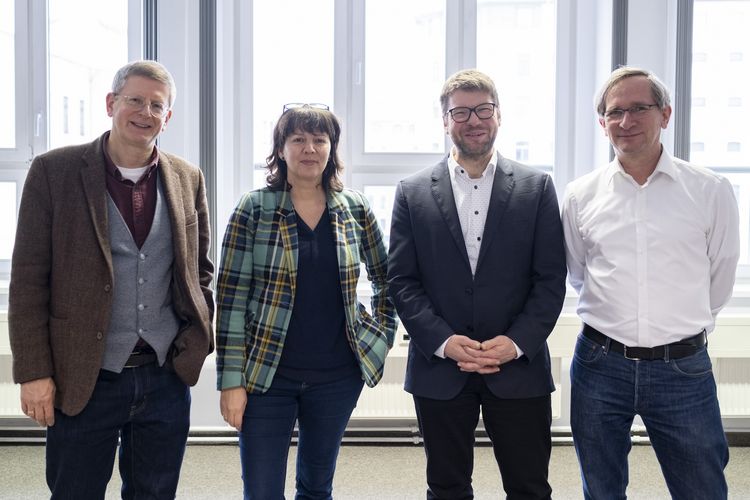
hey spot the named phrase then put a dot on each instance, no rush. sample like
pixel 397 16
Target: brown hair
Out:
pixel 313 121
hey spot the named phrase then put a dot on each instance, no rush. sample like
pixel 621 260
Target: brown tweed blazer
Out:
pixel 61 277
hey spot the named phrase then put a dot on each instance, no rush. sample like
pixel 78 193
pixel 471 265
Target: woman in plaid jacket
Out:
pixel 293 342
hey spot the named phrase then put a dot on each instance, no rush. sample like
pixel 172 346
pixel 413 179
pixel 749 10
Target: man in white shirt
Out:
pixel 476 270
pixel 652 245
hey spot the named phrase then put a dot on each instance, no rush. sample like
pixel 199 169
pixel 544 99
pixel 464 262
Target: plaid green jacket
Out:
pixel 257 284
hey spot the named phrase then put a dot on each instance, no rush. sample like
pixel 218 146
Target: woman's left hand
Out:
pixel 232 406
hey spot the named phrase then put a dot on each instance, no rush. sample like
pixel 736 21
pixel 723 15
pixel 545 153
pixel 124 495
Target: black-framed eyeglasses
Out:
pixel 462 114
pixel 314 105
pixel 155 108
pixel 617 114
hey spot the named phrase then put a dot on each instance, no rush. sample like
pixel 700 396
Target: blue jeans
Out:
pixel 677 402
pixel 148 409
pixel 322 412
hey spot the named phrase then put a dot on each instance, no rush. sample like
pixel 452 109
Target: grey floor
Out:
pixel 364 473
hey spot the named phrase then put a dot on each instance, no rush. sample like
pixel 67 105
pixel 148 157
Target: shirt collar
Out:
pixel 454 169
pixel 114 172
pixel 665 165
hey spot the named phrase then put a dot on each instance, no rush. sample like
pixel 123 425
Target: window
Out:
pixel 403 114
pixel 722 78
pixel 526 85
pixel 8 204
pixel 381 202
pixel 8 75
pixel 296 63
pixel 87 45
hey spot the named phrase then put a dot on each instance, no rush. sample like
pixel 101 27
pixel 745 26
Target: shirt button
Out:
pixel 476 187
pixel 141 307
pixel 99 335
pixel 479 238
pixel 476 212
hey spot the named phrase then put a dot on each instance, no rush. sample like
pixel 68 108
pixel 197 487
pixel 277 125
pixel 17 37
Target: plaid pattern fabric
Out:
pixel 257 285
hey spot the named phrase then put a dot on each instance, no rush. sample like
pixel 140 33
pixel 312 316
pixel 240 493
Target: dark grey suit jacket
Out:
pixel 61 278
pixel 518 288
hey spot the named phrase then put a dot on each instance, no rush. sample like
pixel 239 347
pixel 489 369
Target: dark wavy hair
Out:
pixel 313 121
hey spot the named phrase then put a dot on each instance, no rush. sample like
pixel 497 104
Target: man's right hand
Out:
pixel 38 400
pixel 468 353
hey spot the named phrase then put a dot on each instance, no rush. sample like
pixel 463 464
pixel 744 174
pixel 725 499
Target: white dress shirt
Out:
pixel 652 263
pixel 472 197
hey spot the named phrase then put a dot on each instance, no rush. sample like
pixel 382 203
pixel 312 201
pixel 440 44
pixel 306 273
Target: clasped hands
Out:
pixel 480 357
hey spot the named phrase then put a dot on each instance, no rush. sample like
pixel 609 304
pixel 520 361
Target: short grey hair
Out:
pixel 470 80
pixel 147 69
pixel 659 91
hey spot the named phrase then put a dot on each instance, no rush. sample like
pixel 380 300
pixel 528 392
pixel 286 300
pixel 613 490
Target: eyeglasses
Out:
pixel 462 114
pixel 156 109
pixel 314 105
pixel 617 114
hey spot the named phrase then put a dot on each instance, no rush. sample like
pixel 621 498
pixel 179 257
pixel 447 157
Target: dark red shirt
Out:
pixel 135 201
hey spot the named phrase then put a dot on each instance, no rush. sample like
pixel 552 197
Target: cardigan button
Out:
pixel 107 287
pixel 99 335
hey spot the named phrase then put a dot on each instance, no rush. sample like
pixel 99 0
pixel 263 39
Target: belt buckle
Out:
pixel 625 353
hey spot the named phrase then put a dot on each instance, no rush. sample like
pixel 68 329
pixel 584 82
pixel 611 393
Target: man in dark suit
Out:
pixel 477 272
pixel 110 307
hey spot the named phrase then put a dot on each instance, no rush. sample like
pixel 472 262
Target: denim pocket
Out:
pixel 587 351
pixel 697 365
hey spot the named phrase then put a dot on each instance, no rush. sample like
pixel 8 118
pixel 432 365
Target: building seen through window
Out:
pixel 719 129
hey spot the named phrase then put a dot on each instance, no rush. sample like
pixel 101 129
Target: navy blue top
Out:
pixel 316 348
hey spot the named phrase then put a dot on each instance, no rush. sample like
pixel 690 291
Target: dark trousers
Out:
pixel 148 409
pixel 321 411
pixel 518 428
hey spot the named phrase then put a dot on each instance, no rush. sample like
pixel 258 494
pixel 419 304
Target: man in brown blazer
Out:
pixel 110 308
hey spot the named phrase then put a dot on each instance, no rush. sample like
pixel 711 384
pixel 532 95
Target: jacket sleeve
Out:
pixel 427 330
pixel 233 293
pixel 29 294
pixel 544 301
pixel 375 256
pixel 205 266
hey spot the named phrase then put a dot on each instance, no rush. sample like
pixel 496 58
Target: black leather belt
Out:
pixel 141 356
pixel 675 350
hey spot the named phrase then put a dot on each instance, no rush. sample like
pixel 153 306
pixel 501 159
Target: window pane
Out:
pixel 8 75
pixel 741 184
pixel 405 58
pixel 8 219
pixel 721 84
pixel 381 203
pixel 719 129
pixel 292 62
pixel 516 47
pixel 88 43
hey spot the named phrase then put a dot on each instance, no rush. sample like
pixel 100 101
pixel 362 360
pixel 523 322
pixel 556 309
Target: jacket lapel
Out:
pixel 288 233
pixel 443 194
pixel 502 187
pixel 173 193
pixel 93 178
pixel 345 244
